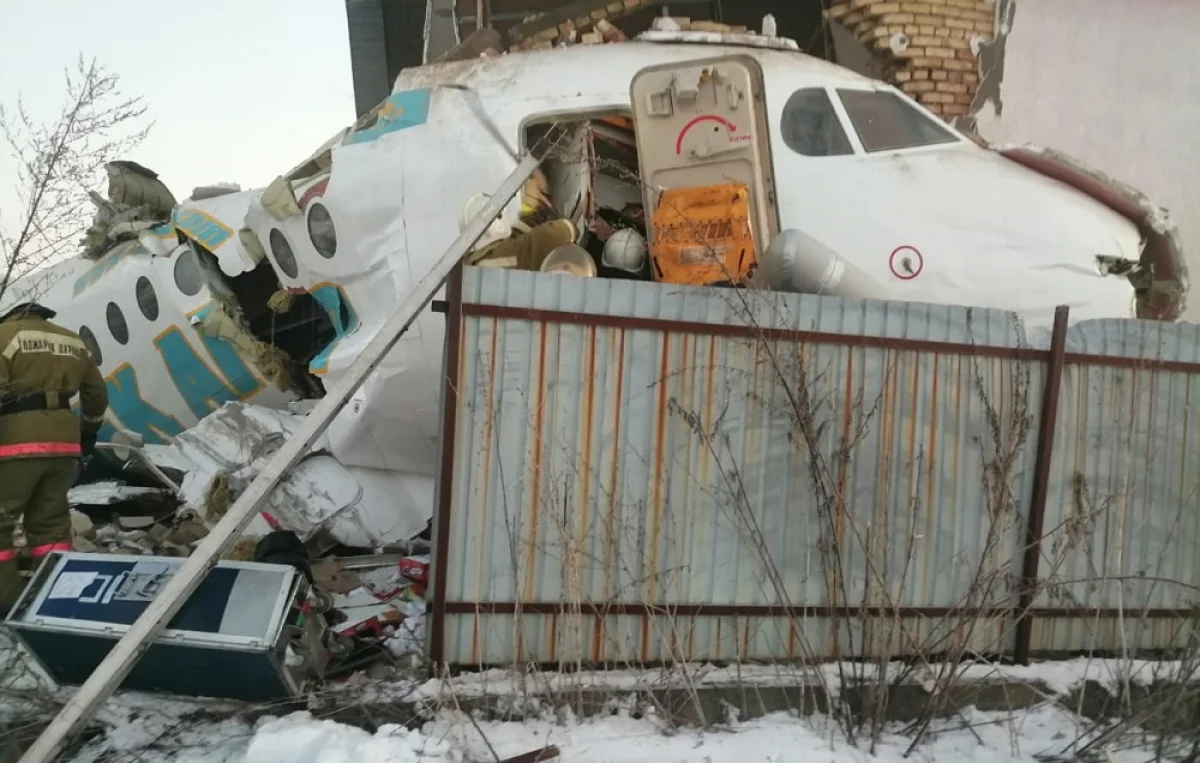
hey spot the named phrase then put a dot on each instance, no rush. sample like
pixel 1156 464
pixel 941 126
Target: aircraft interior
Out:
pixel 701 234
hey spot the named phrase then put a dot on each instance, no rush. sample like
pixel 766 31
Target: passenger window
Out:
pixel 116 323
pixel 89 341
pixel 146 298
pixel 321 231
pixel 283 253
pixel 187 273
pixel 811 127
pixel 884 121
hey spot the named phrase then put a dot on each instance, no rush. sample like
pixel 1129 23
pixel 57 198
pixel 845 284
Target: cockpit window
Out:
pixel 885 122
pixel 811 127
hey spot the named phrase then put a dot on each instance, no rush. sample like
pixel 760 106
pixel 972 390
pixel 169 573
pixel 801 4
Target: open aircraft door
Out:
pixel 704 156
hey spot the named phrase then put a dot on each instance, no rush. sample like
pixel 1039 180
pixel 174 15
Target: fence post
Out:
pixel 1041 485
pixel 445 488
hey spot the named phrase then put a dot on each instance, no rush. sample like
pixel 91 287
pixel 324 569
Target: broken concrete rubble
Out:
pixel 591 23
pixel 563 25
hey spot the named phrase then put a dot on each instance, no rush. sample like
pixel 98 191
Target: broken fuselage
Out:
pixel 264 296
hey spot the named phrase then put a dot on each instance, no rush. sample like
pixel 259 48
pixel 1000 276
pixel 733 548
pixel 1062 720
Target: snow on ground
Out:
pixel 157 730
pixel 18 682
pixel 299 738
pixel 1058 678
pixel 974 738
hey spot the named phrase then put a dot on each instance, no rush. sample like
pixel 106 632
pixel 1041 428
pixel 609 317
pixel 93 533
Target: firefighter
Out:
pixel 42 366
pixel 538 231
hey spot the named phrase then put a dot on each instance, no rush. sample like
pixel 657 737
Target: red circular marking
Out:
pixel 730 126
pixel 899 254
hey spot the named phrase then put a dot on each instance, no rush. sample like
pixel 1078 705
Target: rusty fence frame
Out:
pixel 1056 359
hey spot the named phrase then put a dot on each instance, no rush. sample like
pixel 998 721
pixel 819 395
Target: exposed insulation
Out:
pixel 928 49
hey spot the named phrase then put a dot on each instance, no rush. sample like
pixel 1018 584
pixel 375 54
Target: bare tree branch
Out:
pixel 59 162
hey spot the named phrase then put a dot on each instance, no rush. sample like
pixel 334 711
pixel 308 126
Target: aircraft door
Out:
pixel 704 154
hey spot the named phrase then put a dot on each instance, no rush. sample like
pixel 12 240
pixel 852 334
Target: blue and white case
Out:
pixel 228 641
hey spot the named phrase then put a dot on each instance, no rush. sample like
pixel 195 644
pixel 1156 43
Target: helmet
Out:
pixel 28 309
pixel 624 250
pixel 570 258
pixel 497 231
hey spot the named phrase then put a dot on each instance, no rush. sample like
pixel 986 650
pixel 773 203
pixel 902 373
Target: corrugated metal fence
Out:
pixel 635 473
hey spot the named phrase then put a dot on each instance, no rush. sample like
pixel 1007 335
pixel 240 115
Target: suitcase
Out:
pixel 228 641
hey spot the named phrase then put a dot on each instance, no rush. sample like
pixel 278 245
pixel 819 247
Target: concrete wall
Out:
pixel 1115 83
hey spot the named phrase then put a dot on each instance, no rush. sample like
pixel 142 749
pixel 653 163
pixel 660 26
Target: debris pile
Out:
pixel 384 603
pixel 175 535
pixel 374 604
pixel 582 23
pixel 162 501
pixel 588 22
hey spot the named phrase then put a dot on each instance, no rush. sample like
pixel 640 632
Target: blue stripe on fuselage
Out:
pixel 202 388
pixel 399 111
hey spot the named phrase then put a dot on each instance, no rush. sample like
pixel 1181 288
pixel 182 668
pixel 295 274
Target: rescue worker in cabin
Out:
pixel 42 366
pixel 539 231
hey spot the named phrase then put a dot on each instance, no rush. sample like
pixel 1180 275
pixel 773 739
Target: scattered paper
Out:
pixel 71 585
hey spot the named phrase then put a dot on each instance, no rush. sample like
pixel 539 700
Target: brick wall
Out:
pixel 574 22
pixel 929 49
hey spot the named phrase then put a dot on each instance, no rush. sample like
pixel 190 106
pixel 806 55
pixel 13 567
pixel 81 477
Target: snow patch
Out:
pixel 299 738
pixel 1058 678
pixel 155 729
pixel 971 737
pixel 20 682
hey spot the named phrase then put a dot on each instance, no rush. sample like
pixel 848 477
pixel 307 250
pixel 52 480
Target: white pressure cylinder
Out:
pixel 796 262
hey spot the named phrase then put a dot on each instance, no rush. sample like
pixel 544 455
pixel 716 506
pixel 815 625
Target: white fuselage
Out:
pixel 988 231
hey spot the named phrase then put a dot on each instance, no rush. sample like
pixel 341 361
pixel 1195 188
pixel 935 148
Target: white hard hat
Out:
pixel 625 250
pixel 497 231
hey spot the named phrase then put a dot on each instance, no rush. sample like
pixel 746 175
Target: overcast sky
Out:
pixel 240 90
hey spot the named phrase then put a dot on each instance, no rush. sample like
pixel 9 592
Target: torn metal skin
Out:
pixel 224 321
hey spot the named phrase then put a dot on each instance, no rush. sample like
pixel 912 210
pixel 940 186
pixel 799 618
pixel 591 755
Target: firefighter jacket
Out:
pixel 42 367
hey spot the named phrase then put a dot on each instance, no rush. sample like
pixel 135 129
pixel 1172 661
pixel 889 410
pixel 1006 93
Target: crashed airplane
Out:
pixel 217 320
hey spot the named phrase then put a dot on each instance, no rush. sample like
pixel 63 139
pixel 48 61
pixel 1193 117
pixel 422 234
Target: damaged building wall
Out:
pixel 932 50
pixel 1117 85
pixel 385 37
pixel 550 21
